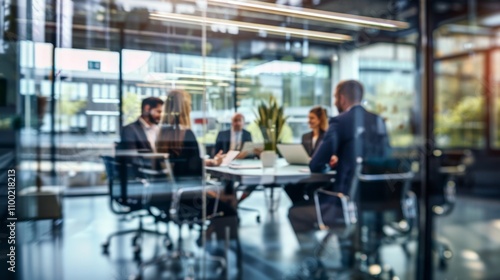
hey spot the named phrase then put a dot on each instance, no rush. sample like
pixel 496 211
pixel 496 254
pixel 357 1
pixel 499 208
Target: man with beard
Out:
pixel 141 134
pixel 354 133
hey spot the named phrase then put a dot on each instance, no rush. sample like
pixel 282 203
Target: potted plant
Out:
pixel 271 120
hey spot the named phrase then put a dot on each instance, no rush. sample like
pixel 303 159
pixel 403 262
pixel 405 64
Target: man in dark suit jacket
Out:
pixel 141 134
pixel 353 133
pixel 234 138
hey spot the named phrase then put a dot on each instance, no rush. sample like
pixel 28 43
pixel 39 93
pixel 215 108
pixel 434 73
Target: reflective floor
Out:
pixel 270 249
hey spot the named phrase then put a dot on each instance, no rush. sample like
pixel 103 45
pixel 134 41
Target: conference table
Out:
pixel 249 172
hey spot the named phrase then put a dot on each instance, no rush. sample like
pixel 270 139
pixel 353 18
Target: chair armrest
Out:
pixel 453 170
pixel 177 198
pixel 349 212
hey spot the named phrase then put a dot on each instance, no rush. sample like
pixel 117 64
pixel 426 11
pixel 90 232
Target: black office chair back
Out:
pixel 192 199
pixel 123 186
pixel 382 184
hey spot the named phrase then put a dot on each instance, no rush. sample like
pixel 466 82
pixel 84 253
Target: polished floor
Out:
pixel 270 249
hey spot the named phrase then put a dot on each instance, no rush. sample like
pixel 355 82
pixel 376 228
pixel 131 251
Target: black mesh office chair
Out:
pixel 129 195
pixel 451 174
pixel 381 188
pixel 187 196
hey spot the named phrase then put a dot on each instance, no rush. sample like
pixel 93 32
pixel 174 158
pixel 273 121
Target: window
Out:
pixel 112 123
pixel 387 74
pixel 104 124
pixel 459 117
pixel 96 91
pixel 104 91
pixel 45 88
pixel 113 91
pixel 95 123
pixel 82 91
pixel 495 142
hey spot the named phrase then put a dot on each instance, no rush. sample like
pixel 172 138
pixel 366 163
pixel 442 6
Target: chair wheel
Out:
pixel 447 254
pixel 105 248
pixel 137 254
pixel 135 277
pixel 137 249
pixel 134 240
pixel 176 267
pixel 443 264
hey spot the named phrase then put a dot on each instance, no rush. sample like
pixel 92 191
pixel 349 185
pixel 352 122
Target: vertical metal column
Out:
pixel 120 78
pixel 424 266
pixel 56 31
pixel 235 93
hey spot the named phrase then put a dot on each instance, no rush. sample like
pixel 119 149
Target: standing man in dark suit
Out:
pixel 354 132
pixel 234 138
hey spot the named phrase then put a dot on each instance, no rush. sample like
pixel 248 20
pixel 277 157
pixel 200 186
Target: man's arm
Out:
pixel 127 140
pixel 218 143
pixel 326 149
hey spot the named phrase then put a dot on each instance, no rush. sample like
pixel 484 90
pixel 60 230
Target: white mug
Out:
pixel 268 158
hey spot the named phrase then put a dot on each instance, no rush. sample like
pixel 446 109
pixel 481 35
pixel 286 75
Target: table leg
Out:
pixel 272 201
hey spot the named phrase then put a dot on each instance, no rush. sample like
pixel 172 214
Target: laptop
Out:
pixel 294 154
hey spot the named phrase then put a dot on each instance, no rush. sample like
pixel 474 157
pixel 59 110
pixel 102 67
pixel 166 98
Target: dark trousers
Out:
pixel 300 193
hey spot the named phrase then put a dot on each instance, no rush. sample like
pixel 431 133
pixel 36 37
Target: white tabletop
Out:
pixel 281 173
pixel 135 153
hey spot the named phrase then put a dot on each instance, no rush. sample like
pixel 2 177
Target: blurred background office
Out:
pixel 73 74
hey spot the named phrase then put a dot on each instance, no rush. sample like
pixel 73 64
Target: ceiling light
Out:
pixel 313 14
pixel 322 36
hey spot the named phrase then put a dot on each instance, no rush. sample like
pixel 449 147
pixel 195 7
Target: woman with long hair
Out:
pixel 318 123
pixel 178 140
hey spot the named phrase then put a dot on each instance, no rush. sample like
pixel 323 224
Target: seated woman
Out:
pixel 318 122
pixel 178 140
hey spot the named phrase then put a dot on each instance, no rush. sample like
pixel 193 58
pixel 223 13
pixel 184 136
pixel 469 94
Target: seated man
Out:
pixel 234 138
pixel 353 133
pixel 141 135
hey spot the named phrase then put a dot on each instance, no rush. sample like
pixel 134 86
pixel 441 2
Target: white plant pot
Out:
pixel 268 158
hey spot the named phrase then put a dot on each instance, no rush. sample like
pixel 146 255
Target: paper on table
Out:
pixel 239 166
pixel 249 147
pixel 229 157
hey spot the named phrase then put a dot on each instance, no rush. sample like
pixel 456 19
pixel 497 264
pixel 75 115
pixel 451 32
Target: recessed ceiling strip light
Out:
pixel 322 36
pixel 312 14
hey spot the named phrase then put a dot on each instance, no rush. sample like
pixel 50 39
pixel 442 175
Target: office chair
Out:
pixel 451 173
pixel 246 191
pixel 379 187
pixel 185 209
pixel 128 195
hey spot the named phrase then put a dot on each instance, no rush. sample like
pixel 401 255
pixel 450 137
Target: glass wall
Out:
pixel 77 71
pixel 460 102
pixel 389 76
pixel 466 132
pixel 495 111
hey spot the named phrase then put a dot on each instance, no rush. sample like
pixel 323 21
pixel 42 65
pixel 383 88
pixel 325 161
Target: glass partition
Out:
pixel 495 111
pixel 466 133
pixel 388 73
pixel 123 105
pixel 460 102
